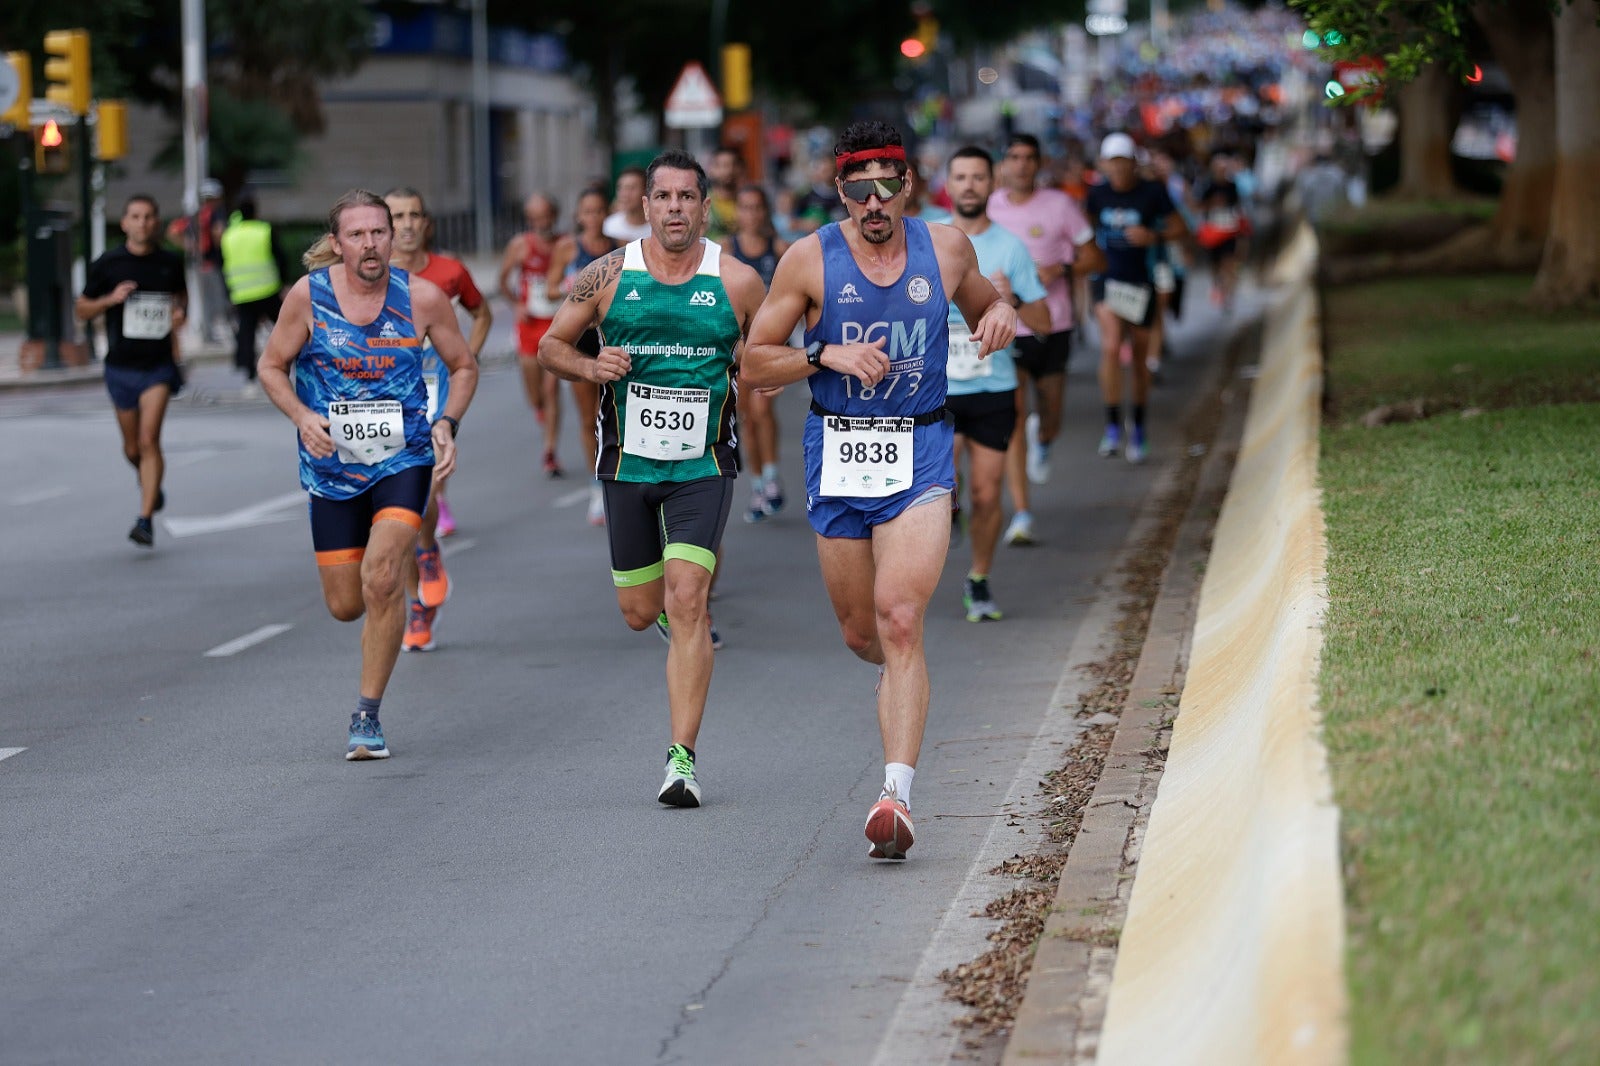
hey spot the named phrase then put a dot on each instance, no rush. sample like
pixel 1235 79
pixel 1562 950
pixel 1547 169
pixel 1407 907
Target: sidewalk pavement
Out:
pixel 12 376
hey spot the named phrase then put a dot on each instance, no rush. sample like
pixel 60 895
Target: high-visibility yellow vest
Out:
pixel 247 263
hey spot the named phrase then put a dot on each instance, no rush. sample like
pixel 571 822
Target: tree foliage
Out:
pixel 826 54
pixel 263 57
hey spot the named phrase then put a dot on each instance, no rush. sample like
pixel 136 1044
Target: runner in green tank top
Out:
pixel 670 417
pixel 672 311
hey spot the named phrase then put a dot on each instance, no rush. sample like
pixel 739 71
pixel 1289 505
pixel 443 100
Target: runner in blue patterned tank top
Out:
pixel 352 332
pixel 874 292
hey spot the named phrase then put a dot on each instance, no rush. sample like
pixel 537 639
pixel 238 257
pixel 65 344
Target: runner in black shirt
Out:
pixel 1129 215
pixel 140 289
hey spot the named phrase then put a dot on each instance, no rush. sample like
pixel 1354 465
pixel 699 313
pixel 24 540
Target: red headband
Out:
pixel 888 151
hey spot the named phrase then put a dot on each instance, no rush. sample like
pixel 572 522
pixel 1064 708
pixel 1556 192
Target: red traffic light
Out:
pixel 50 136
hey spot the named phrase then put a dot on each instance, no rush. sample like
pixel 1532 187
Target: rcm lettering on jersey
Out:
pixel 903 342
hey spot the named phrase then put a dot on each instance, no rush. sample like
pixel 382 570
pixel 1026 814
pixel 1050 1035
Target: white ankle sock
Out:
pixel 898 776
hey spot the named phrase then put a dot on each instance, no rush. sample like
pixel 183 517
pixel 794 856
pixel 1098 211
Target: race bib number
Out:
pixel 430 381
pixel 366 432
pixel 666 424
pixel 1224 218
pixel 865 456
pixel 539 305
pixel 147 316
pixel 1127 300
pixel 963 363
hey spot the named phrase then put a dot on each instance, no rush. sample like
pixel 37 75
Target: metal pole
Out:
pixel 97 213
pixel 482 179
pixel 85 193
pixel 196 165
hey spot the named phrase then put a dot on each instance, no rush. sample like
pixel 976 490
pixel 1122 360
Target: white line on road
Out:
pixel 456 547
pixel 6 753
pixel 573 497
pixel 28 499
pixel 256 514
pixel 249 640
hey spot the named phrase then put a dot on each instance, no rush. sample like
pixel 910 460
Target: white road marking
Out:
pixel 28 499
pixel 456 547
pixel 191 458
pixel 573 497
pixel 6 753
pixel 256 514
pixel 249 640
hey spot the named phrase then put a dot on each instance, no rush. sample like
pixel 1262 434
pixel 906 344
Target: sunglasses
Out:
pixel 862 190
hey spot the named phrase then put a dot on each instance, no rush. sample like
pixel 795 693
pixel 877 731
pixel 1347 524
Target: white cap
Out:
pixel 1118 146
pixel 210 189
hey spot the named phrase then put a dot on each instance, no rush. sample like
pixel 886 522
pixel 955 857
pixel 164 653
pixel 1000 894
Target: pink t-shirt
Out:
pixel 1052 226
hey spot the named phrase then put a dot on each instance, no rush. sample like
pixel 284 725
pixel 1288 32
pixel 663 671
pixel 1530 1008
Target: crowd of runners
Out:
pixel 930 313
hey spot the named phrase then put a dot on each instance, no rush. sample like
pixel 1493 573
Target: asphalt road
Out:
pixel 192 873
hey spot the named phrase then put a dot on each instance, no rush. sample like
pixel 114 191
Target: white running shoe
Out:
pixel 1038 453
pixel 1019 533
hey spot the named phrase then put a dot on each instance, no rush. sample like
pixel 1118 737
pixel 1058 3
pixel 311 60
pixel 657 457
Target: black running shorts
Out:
pixel 649 524
pixel 986 418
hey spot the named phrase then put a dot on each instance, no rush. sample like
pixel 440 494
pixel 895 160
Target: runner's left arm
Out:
pixel 436 319
pixel 993 321
pixel 584 307
pixel 746 291
pixel 478 307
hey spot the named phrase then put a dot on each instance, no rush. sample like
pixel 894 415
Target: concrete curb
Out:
pixel 1061 1013
pixel 1232 951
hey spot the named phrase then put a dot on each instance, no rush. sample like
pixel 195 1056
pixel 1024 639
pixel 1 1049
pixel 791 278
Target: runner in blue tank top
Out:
pixel 352 332
pixel 874 292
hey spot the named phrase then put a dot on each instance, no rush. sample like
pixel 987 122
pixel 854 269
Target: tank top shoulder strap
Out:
pixel 711 259
pixel 633 256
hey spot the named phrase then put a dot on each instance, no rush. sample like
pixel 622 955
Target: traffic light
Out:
pixel 112 129
pixel 67 72
pixel 50 149
pixel 921 43
pixel 735 76
pixel 16 115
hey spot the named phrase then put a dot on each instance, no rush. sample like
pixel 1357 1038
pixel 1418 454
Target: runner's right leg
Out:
pixel 1020 531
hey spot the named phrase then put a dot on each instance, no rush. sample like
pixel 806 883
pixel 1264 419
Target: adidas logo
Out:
pixel 633 294
pixel 703 298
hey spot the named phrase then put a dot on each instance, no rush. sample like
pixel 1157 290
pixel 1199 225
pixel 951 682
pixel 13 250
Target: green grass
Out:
pixel 1460 686
pixel 1384 212
pixel 1457 341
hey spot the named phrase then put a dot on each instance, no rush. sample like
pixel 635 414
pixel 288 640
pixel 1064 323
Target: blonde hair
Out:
pixel 322 253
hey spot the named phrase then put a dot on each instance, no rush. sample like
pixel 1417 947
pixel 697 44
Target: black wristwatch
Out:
pixel 814 353
pixel 455 426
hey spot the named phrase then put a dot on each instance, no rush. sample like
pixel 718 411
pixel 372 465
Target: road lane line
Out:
pixel 255 514
pixel 456 547
pixel 574 497
pixel 28 499
pixel 6 753
pixel 249 640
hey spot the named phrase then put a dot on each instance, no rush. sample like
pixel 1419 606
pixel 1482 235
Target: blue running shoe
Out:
pixel 773 493
pixel 1110 442
pixel 1137 451
pixel 366 739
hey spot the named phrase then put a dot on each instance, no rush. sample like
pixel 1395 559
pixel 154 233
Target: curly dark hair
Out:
pixel 867 134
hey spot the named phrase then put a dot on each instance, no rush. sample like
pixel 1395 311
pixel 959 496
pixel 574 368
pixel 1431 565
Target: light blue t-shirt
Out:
pixel 998 249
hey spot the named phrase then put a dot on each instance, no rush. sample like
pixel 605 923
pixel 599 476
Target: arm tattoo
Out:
pixel 596 276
